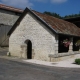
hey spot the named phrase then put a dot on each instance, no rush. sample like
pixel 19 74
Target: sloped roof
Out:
pixel 9 8
pixel 58 26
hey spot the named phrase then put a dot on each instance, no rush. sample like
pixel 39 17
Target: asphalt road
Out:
pixel 12 70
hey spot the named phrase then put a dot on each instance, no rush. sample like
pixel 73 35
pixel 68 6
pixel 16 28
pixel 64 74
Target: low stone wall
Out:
pixel 52 59
pixel 62 56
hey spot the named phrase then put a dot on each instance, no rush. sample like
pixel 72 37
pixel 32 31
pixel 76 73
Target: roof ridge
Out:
pixel 3 6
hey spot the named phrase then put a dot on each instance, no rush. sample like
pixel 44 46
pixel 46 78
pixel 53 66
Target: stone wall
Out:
pixel 7 17
pixel 42 39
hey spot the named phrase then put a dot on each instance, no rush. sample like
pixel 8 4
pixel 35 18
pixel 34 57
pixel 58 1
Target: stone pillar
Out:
pixel 71 45
pixel 56 48
pixel 24 51
pixel 56 45
pixel 79 48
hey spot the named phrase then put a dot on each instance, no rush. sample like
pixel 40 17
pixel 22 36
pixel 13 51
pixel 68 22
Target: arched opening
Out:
pixel 29 49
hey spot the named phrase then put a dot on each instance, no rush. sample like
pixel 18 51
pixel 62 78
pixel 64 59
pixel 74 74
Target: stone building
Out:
pixel 39 36
pixel 8 16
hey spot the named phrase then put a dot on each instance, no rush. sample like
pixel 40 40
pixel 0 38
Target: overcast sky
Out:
pixel 62 7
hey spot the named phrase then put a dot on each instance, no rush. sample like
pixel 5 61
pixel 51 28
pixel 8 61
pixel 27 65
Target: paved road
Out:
pixel 11 70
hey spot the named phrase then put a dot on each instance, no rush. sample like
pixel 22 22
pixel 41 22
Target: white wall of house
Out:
pixel 43 41
pixel 7 17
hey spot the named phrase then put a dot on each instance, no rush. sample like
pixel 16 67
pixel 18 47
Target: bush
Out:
pixel 77 61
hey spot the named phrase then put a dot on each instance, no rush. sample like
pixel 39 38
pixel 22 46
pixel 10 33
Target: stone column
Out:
pixel 56 45
pixel 71 46
pixel 79 48
pixel 56 48
pixel 24 51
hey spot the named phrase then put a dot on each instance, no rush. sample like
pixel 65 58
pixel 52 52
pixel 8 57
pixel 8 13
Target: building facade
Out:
pixel 8 16
pixel 39 36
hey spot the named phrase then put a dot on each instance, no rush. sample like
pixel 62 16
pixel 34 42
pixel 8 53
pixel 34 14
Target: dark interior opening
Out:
pixel 61 47
pixel 75 48
pixel 29 49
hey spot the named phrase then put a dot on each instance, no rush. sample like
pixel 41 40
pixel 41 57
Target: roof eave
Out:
pixel 68 35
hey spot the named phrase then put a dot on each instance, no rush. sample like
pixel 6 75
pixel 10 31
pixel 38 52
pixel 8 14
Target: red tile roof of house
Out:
pixel 56 25
pixel 59 25
pixel 9 8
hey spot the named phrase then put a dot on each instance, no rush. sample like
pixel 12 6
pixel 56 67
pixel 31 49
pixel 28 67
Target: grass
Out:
pixel 77 61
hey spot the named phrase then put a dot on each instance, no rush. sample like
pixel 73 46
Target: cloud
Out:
pixel 42 1
pixel 18 3
pixel 28 3
pixel 39 0
pixel 58 1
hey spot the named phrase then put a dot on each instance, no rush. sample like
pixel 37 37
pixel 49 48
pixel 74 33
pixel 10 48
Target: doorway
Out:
pixel 29 49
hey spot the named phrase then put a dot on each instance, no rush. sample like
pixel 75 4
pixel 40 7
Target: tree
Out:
pixel 58 16
pixel 72 15
pixel 52 14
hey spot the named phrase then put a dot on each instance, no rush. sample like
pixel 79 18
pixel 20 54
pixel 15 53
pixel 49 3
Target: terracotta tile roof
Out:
pixel 56 25
pixel 59 25
pixel 2 6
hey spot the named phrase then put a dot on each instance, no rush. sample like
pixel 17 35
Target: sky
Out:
pixel 61 7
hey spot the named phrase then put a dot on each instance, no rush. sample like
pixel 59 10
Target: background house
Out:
pixel 75 20
pixel 8 16
pixel 47 34
pixel 40 36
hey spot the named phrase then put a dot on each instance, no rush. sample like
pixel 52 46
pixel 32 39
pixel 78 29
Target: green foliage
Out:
pixel 77 61
pixel 72 16
pixel 53 14
pixel 58 16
